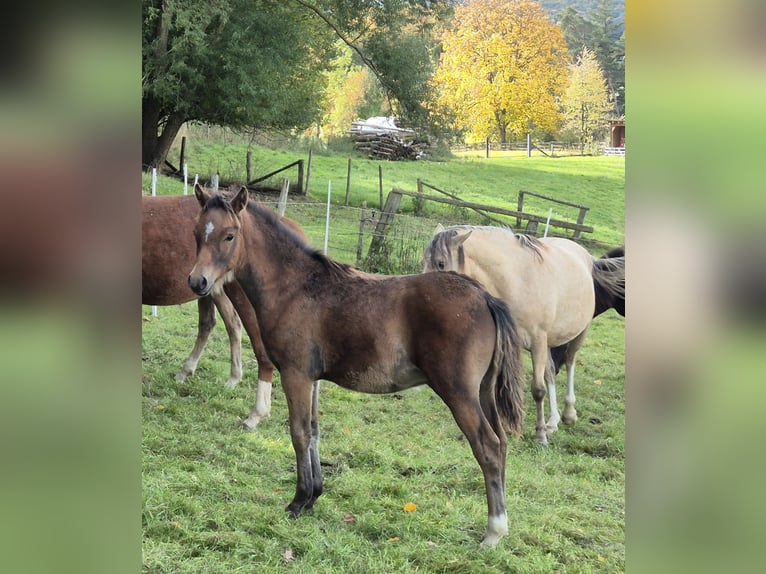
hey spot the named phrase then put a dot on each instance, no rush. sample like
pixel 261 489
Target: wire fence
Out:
pixel 351 230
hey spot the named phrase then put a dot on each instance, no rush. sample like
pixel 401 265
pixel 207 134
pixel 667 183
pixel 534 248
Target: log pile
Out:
pixel 380 138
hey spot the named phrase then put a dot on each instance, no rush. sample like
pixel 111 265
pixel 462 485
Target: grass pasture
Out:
pixel 214 495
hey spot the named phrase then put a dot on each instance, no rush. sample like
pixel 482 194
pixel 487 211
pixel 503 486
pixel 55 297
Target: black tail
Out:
pixel 507 367
pixel 609 284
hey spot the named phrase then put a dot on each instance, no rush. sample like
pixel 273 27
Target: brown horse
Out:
pixel 324 320
pixel 168 253
pixel 548 285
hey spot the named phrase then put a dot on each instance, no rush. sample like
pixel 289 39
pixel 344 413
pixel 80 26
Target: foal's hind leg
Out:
pixel 205 324
pixel 234 329
pixel 489 448
pixel 569 415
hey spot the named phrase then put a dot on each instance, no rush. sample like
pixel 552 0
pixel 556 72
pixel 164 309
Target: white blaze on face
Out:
pixel 209 227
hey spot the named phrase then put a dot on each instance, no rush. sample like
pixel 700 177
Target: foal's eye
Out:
pixel 440 265
pixel 230 237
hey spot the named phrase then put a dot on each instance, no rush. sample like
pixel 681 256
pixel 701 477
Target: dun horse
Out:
pixel 324 320
pixel 168 254
pixel 548 285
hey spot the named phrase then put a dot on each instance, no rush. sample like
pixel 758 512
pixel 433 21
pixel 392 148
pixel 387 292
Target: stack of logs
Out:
pixel 391 145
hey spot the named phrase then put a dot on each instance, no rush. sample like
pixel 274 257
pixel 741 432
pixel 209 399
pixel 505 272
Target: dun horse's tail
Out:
pixel 507 367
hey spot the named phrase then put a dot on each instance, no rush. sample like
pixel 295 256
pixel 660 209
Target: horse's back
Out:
pixel 547 283
pixel 378 334
pixel 168 251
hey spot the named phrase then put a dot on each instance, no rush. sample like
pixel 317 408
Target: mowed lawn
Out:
pixel 214 495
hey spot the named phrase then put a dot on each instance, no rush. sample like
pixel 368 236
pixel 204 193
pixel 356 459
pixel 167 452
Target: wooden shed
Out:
pixel 617 137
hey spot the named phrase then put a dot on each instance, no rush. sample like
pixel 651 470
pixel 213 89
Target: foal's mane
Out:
pixel 284 233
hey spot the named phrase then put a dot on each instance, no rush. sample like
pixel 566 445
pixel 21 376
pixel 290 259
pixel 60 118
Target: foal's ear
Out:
pixel 202 195
pixel 240 200
pixel 439 228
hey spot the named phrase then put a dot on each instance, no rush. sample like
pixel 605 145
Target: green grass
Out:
pixel 596 182
pixel 214 495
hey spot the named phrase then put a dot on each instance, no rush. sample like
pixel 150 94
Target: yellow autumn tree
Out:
pixel 586 105
pixel 503 69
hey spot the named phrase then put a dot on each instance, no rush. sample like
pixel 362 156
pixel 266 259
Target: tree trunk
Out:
pixel 154 145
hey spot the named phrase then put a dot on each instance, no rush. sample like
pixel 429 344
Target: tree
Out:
pixel 237 63
pixel 586 103
pixel 395 41
pixel 261 63
pixel 502 69
pixel 602 31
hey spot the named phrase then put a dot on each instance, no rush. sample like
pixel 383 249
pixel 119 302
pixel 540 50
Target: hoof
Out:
pixel 542 438
pixel 551 427
pixel 490 541
pixel 293 510
pixel 231 383
pixel 181 377
pixel 250 423
pixel 569 416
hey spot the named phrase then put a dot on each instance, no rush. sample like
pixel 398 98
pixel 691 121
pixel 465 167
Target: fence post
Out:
pixel 386 217
pixel 249 165
pixel 487 148
pixel 308 175
pixel 529 145
pixel 214 182
pixel 348 182
pixel 154 193
pixel 327 218
pixel 300 176
pixel 380 185
pixel 360 241
pixel 520 209
pixel 283 196
pixel 580 220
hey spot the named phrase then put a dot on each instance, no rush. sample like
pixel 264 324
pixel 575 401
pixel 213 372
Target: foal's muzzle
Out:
pixel 200 285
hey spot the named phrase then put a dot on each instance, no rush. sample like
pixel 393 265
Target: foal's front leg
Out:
pixel 302 403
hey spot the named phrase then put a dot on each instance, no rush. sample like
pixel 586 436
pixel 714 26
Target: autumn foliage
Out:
pixel 503 69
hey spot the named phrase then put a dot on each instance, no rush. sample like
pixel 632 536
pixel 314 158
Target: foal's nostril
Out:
pixel 197 284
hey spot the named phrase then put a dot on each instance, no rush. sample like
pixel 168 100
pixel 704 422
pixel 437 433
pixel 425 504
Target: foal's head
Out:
pixel 445 251
pixel 218 236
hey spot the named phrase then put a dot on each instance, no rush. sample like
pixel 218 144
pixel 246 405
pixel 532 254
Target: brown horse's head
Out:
pixel 218 234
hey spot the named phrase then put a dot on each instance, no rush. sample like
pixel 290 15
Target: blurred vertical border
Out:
pixel 70 104
pixel 696 200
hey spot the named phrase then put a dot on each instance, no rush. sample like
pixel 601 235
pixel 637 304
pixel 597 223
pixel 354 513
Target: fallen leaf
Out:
pixel 601 559
pixel 597 381
pixel 410 507
pixel 160 407
pixel 288 556
pixel 346 430
pixel 394 539
pixel 349 518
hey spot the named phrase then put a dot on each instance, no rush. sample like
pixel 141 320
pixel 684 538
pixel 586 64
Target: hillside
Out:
pixel 585 7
